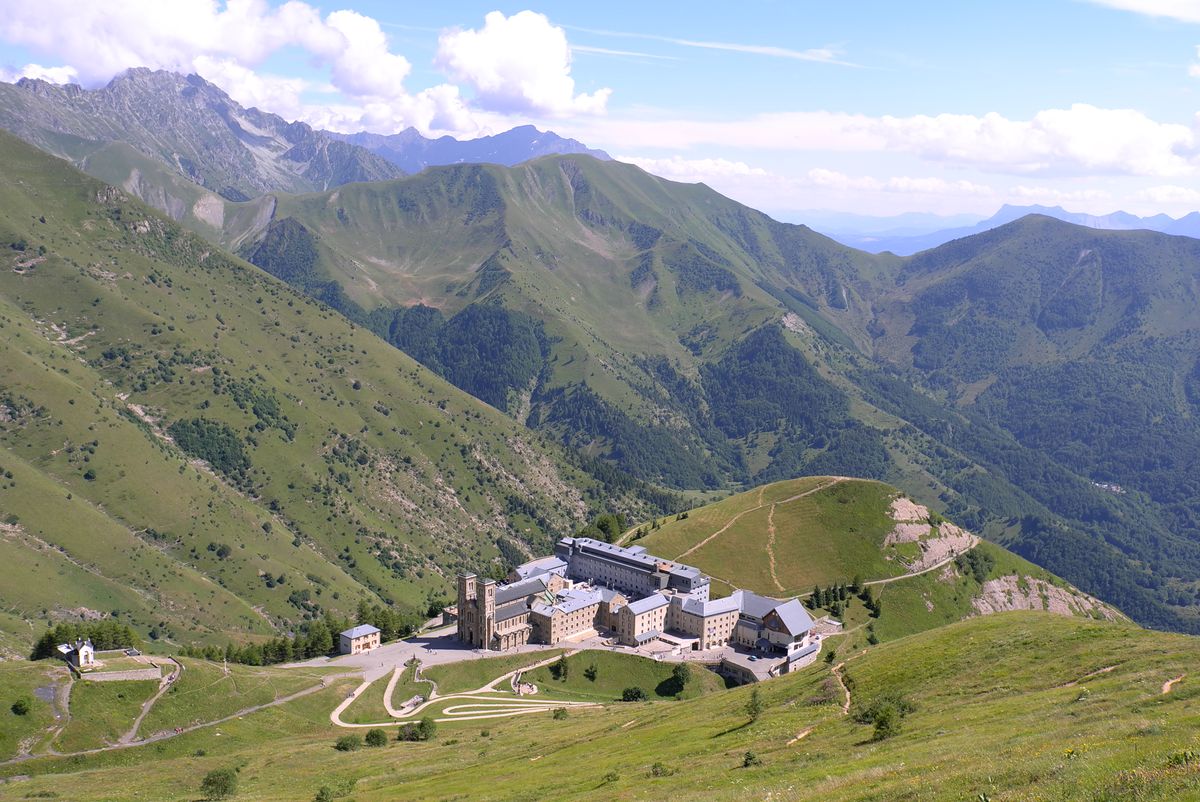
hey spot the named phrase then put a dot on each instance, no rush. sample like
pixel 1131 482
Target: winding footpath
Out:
pixel 485 702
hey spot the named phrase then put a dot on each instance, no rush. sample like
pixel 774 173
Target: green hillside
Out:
pixel 194 448
pixel 786 538
pixel 1008 707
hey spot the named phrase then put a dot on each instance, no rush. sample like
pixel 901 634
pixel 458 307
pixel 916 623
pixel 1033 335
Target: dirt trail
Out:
pixel 835 480
pixel 771 547
pixel 800 736
pixel 163 686
pixel 837 674
pixel 1169 684
pixel 1088 676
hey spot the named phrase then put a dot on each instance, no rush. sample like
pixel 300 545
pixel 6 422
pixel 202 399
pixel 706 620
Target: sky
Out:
pixel 867 107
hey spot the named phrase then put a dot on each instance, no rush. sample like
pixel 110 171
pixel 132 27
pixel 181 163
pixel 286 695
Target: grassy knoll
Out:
pixel 101 712
pixel 472 674
pixel 33 684
pixel 1014 707
pixel 829 535
pixel 368 708
pixel 204 692
pixel 614 672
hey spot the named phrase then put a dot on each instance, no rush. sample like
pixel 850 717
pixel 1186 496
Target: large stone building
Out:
pixel 588 585
pixel 628 569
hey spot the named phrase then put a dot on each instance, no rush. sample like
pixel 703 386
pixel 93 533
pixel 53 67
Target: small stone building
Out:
pixel 359 639
pixel 80 654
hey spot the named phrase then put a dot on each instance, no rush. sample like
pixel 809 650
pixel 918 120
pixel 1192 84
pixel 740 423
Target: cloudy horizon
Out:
pixel 875 110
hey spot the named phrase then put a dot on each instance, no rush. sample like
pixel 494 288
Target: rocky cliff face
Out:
pixel 190 125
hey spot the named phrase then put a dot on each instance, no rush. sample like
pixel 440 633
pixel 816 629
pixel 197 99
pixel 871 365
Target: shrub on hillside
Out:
pixel 885 713
pixel 348 743
pixel 219 784
pixel 21 706
pixel 422 730
pixel 376 737
pixel 633 694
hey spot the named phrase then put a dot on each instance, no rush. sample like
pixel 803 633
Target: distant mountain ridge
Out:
pixel 190 125
pixel 904 244
pixel 412 152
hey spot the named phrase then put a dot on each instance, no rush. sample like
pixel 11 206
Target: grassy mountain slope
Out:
pixel 336 468
pixel 1014 706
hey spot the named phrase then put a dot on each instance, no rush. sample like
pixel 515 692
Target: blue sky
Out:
pixel 870 107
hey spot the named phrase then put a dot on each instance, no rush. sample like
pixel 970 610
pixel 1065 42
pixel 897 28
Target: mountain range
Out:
pixel 695 344
pixel 905 240
pixel 412 152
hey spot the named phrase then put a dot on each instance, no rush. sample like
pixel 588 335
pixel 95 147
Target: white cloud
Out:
pixel 1044 195
pixel 517 64
pixel 677 168
pixel 514 63
pixel 927 185
pixel 1080 140
pixel 1169 195
pixel 55 75
pixel 1182 10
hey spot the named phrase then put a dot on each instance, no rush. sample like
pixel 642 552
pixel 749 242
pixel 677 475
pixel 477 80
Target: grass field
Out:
pixel 203 692
pixel 825 532
pixel 21 682
pixel 1019 706
pixel 101 712
pixel 471 674
pixel 614 672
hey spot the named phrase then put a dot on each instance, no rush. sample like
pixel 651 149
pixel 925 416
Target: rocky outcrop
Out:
pixel 191 126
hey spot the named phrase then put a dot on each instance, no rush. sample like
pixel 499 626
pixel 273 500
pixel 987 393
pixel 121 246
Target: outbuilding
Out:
pixel 359 639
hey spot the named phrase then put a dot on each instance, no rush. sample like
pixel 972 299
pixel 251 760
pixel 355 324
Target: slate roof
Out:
pixel 645 636
pixel 359 631
pixel 710 607
pixel 651 602
pixel 542 565
pixel 512 611
pixel 794 617
pixel 754 605
pixel 518 590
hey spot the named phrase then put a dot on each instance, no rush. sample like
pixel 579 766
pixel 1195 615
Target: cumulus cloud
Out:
pixel 520 63
pixel 677 168
pixel 55 75
pixel 512 64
